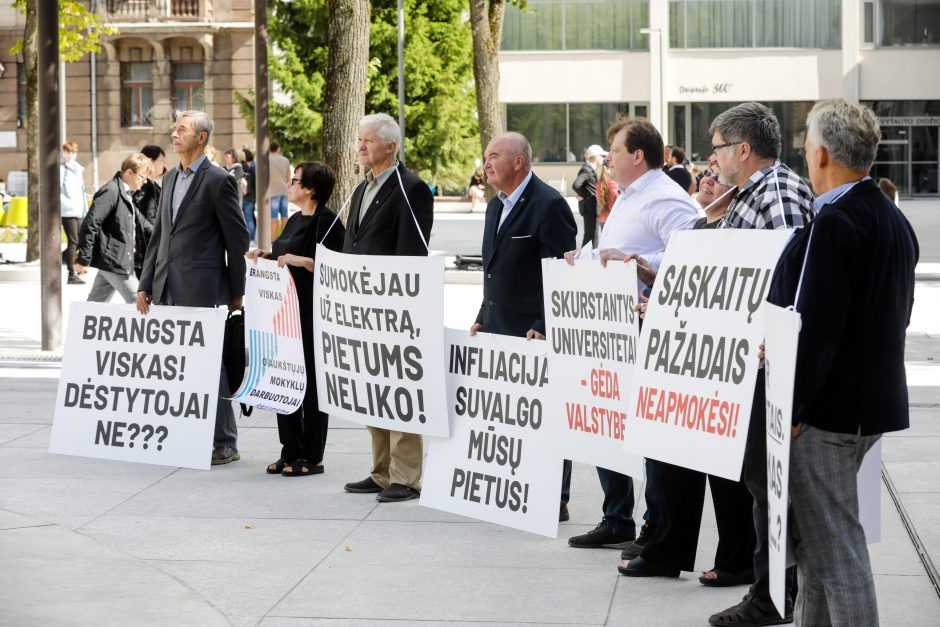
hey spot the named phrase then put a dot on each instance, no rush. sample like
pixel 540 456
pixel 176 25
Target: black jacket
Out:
pixel 106 237
pixel 388 227
pixel 855 303
pixel 540 225
pixel 147 199
pixel 585 186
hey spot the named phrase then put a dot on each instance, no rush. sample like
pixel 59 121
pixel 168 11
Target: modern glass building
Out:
pixel 568 67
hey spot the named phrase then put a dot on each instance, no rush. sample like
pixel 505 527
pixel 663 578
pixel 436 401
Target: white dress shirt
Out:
pixel 645 216
pixel 510 201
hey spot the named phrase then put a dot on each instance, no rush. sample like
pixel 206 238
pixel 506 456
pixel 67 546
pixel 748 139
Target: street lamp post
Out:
pixel 658 115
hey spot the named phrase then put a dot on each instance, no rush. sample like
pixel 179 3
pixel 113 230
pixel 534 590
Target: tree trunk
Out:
pixel 344 100
pixel 30 58
pixel 486 19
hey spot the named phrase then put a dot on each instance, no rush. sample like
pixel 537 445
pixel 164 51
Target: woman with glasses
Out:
pixel 106 239
pixel 303 433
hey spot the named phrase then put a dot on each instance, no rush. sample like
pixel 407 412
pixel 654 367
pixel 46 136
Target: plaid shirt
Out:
pixel 756 205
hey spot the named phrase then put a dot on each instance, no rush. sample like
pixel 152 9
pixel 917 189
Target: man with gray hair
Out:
pixel 525 222
pixel 390 213
pixel 856 261
pixel 196 255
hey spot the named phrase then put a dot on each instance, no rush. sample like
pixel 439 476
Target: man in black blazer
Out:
pixel 525 222
pixel 585 186
pixel 855 302
pixel 383 220
pixel 196 255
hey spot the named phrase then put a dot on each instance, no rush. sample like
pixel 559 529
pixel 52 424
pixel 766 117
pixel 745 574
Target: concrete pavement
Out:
pixel 92 542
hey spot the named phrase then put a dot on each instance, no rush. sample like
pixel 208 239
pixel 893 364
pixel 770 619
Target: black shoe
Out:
pixel 636 547
pixel 639 567
pixel 225 455
pixel 397 492
pixel 74 280
pixel 601 537
pixel 563 514
pixel 751 612
pixel 366 486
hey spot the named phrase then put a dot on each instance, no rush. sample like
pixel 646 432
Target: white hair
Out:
pixel 201 121
pixel 519 146
pixel 386 127
pixel 850 132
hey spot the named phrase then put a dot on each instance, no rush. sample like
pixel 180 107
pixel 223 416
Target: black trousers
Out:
pixel 676 539
pixel 590 225
pixel 303 433
pixel 70 226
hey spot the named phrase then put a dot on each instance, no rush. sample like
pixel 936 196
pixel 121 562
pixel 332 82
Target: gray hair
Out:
pixel 386 127
pixel 850 133
pixel 753 123
pixel 519 146
pixel 201 121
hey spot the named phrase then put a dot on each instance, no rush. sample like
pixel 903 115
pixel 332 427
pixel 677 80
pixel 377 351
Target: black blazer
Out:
pixel 388 228
pixel 585 186
pixel 540 225
pixel 855 302
pixel 200 255
pixel 106 237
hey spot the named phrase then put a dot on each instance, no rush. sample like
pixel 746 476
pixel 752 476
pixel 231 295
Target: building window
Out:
pixel 576 25
pixel 754 24
pixel 909 22
pixel 560 132
pixel 21 113
pixel 188 86
pixel 136 94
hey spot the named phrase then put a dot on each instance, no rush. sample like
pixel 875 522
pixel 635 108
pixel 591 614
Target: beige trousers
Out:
pixel 396 458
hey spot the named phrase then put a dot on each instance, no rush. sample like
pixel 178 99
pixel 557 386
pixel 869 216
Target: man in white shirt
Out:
pixel 649 210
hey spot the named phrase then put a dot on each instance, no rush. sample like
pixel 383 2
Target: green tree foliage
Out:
pixel 80 30
pixel 440 110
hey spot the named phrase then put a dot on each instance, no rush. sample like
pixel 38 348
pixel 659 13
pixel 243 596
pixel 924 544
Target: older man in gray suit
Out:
pixel 196 255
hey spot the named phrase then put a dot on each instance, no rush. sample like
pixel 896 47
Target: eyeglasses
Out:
pixel 720 146
pixel 294 180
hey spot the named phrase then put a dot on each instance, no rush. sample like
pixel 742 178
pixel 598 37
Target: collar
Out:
pixel 760 174
pixel 125 188
pixel 383 175
pixel 644 181
pixel 195 165
pixel 833 194
pixel 513 198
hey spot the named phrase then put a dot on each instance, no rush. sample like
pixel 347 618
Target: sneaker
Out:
pixel 74 280
pixel 636 547
pixel 225 455
pixel 601 537
pixel 395 493
pixel 752 612
pixel 366 486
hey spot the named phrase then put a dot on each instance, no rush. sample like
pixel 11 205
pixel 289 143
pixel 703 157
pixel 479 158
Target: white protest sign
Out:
pixel 276 376
pixel 781 339
pixel 379 340
pixel 592 335
pixel 139 388
pixel 498 464
pixel 690 401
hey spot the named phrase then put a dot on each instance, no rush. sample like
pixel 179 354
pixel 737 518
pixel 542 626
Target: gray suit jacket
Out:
pixel 199 257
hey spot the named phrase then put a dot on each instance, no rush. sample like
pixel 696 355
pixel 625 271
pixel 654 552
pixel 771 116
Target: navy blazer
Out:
pixel 199 258
pixel 855 303
pixel 540 225
pixel 388 227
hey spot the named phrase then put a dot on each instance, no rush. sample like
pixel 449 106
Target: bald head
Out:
pixel 507 161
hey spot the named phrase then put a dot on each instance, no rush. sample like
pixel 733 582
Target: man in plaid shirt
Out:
pixel 746 143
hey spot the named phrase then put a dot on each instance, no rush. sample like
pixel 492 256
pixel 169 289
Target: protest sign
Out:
pixel 781 339
pixel 690 400
pixel 379 340
pixel 139 388
pixel 498 464
pixel 592 335
pixel 276 376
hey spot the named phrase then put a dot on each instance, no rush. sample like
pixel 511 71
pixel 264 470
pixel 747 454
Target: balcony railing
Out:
pixel 152 10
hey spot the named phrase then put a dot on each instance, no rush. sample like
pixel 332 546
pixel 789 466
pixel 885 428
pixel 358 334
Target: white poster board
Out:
pixel 379 340
pixel 276 376
pixel 498 464
pixel 690 401
pixel 592 333
pixel 139 388
pixel 781 339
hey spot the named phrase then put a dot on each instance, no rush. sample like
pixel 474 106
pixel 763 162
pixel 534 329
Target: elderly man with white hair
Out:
pixel 390 213
pixel 850 275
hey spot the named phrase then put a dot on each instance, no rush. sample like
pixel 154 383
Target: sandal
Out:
pixel 301 468
pixel 277 467
pixel 726 579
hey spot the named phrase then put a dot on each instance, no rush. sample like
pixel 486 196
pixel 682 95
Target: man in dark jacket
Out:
pixel 585 187
pixel 108 233
pixel 384 221
pixel 855 301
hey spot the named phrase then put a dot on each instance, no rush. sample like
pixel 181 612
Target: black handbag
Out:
pixel 234 355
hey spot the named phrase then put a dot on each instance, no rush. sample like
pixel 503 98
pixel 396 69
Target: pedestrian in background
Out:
pixel 73 204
